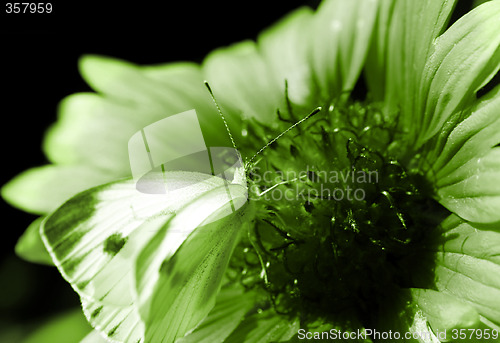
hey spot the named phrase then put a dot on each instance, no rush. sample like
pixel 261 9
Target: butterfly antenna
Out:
pixel 220 113
pixel 316 110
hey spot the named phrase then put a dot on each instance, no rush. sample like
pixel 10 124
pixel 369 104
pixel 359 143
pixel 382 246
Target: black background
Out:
pixel 39 54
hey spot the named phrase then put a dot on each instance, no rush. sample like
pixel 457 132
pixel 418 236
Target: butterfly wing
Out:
pixel 96 237
pixel 186 283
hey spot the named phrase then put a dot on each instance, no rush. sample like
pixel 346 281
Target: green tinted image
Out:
pixel 335 179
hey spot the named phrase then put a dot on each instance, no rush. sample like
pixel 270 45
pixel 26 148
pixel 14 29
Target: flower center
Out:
pixel 340 222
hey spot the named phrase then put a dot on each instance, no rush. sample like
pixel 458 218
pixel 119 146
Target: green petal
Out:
pixel 185 88
pixel 464 59
pixel 176 292
pixel 471 138
pixel 69 327
pixel 107 75
pixel 284 48
pixel 134 85
pixel 445 312
pixel 376 62
pixel 30 245
pixel 95 129
pixel 232 304
pixel 468 266
pixel 414 26
pixel 463 162
pixel 473 190
pixel 40 190
pixel 264 326
pixel 340 38
pixel 242 80
pixel 93 337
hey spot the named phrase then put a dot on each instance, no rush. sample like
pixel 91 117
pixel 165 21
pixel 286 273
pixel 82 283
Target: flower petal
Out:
pixel 464 162
pixel 65 327
pixel 340 38
pixel 464 59
pixel 92 130
pixel 232 304
pixel 152 92
pixel 468 265
pixel 177 291
pixel 41 190
pixel 445 312
pixel 264 326
pixel 93 337
pixel 470 139
pixel 376 62
pixel 284 48
pixel 474 192
pixel 95 129
pixel 413 28
pixel 134 85
pixel 242 80
pixel 30 245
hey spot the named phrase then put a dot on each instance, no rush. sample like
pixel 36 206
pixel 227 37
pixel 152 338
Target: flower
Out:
pixel 376 219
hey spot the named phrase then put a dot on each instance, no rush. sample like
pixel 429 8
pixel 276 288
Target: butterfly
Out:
pixel 147 255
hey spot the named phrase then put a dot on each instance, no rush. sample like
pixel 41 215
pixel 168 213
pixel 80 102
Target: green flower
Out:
pixel 376 218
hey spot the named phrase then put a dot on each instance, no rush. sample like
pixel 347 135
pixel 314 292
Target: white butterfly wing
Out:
pixel 96 237
pixel 177 291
